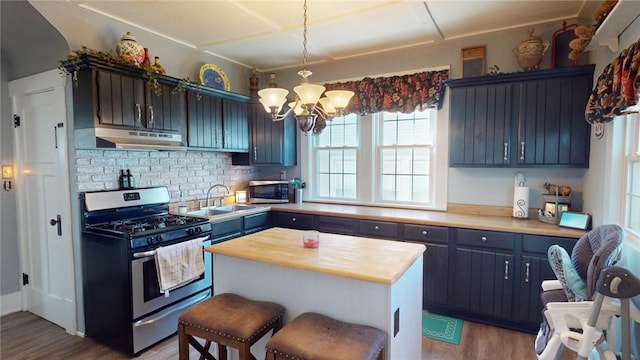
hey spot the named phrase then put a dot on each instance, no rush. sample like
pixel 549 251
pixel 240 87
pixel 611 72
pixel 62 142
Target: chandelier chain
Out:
pixel 304 38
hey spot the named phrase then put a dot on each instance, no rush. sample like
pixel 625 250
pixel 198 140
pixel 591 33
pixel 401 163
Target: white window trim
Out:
pixel 441 166
pixel 630 124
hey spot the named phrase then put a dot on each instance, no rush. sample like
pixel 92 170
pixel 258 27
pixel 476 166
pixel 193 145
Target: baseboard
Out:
pixel 10 303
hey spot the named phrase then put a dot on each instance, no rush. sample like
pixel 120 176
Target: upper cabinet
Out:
pixel 119 98
pixel 528 119
pixel 217 122
pixel 272 142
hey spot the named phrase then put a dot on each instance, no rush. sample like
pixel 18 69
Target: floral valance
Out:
pixel 616 87
pixel 405 94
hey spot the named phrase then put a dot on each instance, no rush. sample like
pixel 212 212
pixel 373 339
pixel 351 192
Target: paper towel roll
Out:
pixel 521 202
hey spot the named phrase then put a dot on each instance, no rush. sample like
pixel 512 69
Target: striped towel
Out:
pixel 179 264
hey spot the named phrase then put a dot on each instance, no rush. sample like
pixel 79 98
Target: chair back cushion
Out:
pixel 595 250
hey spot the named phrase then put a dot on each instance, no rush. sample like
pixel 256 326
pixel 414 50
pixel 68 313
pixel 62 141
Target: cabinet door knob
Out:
pixel 376 227
pixel 483 238
pixel 424 232
pixel 293 219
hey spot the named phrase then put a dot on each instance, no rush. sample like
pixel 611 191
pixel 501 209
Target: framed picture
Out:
pixel 473 61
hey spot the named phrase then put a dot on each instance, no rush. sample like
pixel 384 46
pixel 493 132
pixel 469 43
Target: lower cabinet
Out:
pixel 483 273
pixel 435 271
pixel 534 268
pixel 492 277
pixel 256 222
pixel 294 221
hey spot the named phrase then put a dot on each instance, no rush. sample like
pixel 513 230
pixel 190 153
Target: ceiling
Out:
pixel 267 35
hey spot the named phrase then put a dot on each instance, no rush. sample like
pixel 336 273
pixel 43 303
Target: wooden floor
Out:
pixel 26 336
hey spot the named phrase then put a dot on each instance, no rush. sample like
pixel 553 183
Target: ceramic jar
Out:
pixel 129 49
pixel 530 52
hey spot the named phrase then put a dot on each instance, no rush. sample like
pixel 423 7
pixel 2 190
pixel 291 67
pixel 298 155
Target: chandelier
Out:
pixel 308 104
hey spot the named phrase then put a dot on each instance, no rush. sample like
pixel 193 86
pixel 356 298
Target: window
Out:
pixel 404 156
pixel 379 159
pixel 632 170
pixel 336 158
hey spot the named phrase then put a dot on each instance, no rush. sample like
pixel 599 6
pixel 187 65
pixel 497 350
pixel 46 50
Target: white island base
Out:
pixel 394 306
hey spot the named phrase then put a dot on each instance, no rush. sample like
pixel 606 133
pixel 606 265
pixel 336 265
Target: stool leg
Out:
pixel 183 343
pixel 222 352
pixel 245 352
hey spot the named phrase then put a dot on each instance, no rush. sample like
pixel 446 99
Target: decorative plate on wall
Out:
pixel 211 75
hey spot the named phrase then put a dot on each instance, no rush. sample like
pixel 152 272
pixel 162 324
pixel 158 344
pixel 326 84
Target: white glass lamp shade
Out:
pixel 327 107
pixel 297 107
pixel 273 98
pixel 339 98
pixel 309 93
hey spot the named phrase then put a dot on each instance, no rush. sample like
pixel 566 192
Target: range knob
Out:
pixel 194 230
pixel 159 238
pixel 149 240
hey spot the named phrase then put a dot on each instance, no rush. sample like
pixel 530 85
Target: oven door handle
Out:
pixel 153 252
pixel 188 304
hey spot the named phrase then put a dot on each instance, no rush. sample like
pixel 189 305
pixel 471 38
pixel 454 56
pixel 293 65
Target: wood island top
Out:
pixel 374 260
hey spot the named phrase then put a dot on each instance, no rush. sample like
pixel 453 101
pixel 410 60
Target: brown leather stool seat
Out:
pixel 312 336
pixel 228 320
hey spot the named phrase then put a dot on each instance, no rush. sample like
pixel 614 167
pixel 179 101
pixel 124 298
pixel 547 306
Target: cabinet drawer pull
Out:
pixel 293 219
pixel 376 227
pixel 424 232
pixel 483 238
pixel 138 115
pixel 255 153
pixel 506 269
pixel 526 272
pixel 151 121
pixel 522 150
pixel 505 147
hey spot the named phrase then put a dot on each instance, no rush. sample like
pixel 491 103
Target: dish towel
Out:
pixel 178 264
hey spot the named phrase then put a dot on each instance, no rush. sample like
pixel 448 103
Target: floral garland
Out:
pixel 150 75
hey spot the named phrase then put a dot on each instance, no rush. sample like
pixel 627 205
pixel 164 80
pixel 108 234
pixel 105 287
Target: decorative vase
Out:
pixel 530 52
pixel 129 49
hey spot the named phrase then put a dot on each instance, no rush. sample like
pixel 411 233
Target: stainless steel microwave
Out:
pixel 269 191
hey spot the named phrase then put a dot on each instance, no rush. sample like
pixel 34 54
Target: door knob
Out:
pixel 57 221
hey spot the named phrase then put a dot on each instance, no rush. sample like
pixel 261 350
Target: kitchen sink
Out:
pixel 235 207
pixel 221 210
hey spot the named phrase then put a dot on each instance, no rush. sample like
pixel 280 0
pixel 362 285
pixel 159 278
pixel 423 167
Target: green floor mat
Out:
pixel 441 327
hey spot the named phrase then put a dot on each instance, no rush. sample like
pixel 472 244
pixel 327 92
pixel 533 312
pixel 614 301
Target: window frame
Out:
pixel 631 155
pixel 365 194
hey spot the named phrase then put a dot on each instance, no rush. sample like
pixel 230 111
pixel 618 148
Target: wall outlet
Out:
pixel 283 174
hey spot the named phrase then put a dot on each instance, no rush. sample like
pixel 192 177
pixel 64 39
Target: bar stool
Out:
pixel 228 320
pixel 313 336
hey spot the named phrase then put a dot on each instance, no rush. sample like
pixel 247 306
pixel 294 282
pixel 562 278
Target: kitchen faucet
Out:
pixel 221 199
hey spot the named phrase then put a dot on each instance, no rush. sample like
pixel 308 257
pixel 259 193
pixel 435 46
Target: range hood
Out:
pixel 133 139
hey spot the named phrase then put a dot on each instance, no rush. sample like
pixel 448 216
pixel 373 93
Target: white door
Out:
pixel 44 210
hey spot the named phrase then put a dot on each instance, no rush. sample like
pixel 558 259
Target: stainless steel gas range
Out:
pixel 123 306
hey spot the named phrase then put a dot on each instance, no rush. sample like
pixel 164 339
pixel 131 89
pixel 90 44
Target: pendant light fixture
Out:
pixel 307 105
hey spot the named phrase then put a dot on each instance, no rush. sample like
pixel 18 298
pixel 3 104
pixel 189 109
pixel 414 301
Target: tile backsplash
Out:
pixel 189 172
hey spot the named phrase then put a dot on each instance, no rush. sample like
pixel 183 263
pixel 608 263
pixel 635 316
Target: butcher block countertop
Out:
pixel 373 260
pixel 436 218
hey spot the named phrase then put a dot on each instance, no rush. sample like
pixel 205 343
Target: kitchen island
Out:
pixel 361 280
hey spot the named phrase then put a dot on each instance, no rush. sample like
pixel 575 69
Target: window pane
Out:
pixel 335 161
pixel 388 161
pixel 350 187
pixel 388 187
pixel 323 185
pixel 323 161
pixel 404 162
pixel 350 162
pixel 421 161
pixel 633 197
